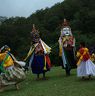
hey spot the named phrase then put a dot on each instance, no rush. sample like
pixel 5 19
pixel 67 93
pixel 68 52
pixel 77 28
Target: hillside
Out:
pixel 15 31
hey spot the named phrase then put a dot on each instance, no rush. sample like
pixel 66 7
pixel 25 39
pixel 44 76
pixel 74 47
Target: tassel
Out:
pixel 45 63
pixel 60 50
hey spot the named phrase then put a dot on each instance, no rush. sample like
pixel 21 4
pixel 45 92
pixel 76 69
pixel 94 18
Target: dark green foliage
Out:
pixel 15 31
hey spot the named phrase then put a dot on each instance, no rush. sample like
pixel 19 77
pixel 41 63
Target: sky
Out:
pixel 12 8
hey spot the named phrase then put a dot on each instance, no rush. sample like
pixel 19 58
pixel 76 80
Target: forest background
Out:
pixel 15 31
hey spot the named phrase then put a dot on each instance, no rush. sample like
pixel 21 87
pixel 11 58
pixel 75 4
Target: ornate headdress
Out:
pixel 66 30
pixel 5 48
pixel 35 35
pixel 65 23
pixel 34 29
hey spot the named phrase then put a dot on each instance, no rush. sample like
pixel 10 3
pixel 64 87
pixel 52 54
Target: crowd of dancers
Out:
pixel 12 71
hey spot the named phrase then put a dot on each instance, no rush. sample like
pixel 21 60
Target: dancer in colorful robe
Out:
pixel 11 70
pixel 39 55
pixel 85 67
pixel 92 53
pixel 92 57
pixel 67 47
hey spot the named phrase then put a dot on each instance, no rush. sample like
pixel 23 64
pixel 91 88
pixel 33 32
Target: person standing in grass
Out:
pixel 92 53
pixel 67 47
pixel 38 55
pixel 11 71
pixel 92 57
pixel 85 67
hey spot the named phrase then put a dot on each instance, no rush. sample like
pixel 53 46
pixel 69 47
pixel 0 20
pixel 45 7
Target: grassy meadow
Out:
pixel 58 84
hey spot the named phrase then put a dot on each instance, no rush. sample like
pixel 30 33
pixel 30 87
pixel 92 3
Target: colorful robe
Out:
pixel 85 67
pixel 11 72
pixel 67 51
pixel 39 59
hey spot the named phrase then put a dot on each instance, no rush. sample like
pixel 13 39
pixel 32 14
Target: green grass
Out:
pixel 56 85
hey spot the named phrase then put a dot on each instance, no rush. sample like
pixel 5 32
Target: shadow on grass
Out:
pixel 86 79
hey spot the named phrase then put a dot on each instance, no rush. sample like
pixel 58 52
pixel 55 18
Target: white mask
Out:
pixel 66 31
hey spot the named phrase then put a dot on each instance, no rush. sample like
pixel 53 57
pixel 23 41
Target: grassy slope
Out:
pixel 57 85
